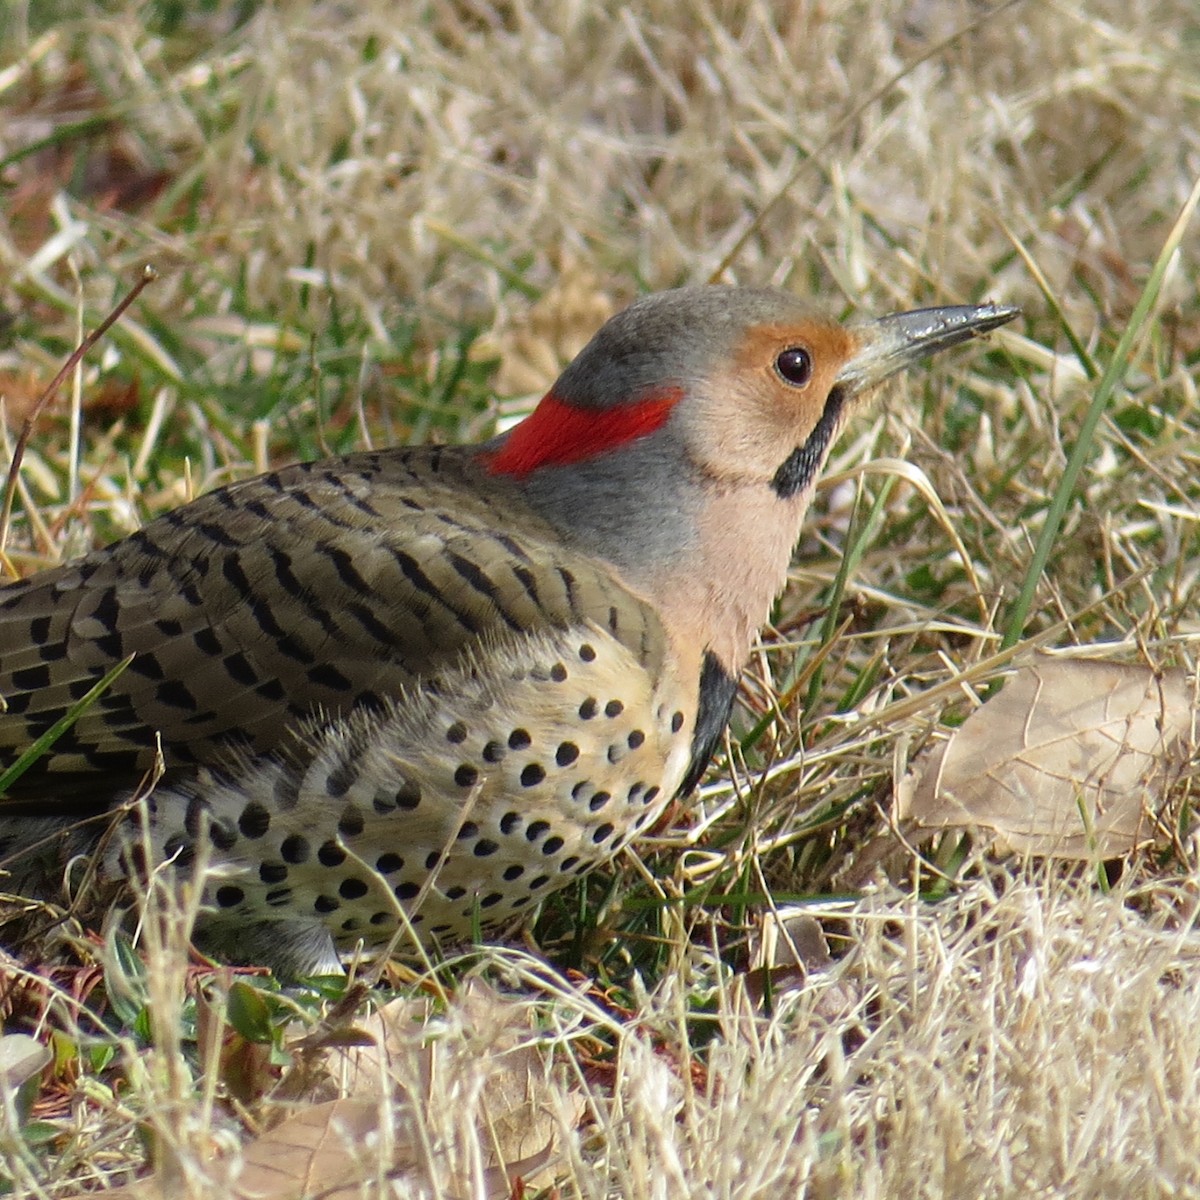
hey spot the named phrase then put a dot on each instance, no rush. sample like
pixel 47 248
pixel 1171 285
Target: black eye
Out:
pixel 794 365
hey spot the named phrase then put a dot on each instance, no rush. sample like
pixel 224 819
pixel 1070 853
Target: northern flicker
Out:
pixel 422 688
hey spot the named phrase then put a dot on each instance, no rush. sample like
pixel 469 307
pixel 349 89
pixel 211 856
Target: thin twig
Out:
pixel 149 275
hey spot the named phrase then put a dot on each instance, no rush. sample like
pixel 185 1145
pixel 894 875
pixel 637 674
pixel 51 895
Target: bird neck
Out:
pixel 710 555
pixel 744 547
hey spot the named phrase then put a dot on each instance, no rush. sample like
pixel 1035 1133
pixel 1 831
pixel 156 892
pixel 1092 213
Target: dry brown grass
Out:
pixel 340 198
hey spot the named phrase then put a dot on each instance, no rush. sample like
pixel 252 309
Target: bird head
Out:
pixel 752 382
pixel 692 428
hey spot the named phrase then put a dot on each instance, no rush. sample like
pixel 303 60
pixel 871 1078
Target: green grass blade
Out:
pixel 859 540
pixel 1109 382
pixel 43 743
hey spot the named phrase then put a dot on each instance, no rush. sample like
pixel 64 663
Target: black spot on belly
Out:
pixel 331 855
pixel 295 849
pixel 254 821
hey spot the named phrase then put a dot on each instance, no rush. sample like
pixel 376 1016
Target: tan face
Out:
pixel 765 400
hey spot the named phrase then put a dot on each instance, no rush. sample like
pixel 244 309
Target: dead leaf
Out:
pixel 786 946
pixel 457 1101
pixel 1070 760
pixel 789 953
pixel 518 1124
pixel 331 1150
pixel 328 1150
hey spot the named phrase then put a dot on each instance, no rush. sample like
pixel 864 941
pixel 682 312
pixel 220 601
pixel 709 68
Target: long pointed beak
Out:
pixel 894 342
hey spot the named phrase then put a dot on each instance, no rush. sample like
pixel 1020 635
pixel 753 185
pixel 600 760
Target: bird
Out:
pixel 410 692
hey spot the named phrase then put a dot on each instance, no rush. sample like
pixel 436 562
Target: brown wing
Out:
pixel 322 587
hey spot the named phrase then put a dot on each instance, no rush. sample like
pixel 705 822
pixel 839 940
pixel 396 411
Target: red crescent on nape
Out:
pixel 557 433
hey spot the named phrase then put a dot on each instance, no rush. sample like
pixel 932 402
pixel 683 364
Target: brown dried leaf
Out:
pixel 519 1126
pixel 337 1150
pixel 407 1117
pixel 329 1149
pixel 1069 760
pixel 786 948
